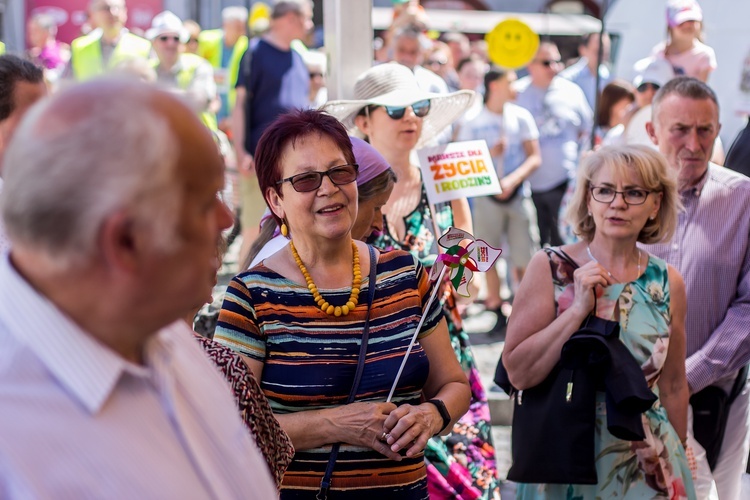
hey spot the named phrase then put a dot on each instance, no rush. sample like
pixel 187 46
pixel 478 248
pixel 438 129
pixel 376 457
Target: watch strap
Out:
pixel 446 416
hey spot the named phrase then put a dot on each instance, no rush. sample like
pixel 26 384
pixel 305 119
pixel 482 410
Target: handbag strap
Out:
pixel 325 483
pixel 564 256
pixel 567 258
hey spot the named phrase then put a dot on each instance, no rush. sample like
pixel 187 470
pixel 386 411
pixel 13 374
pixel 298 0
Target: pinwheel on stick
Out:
pixel 462 262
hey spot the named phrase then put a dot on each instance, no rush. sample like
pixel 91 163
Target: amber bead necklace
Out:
pixel 320 301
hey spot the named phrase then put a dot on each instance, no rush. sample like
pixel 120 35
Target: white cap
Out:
pixel 167 22
pixel 653 70
pixel 680 11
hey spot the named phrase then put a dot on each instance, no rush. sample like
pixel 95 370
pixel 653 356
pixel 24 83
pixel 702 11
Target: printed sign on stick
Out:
pixel 458 170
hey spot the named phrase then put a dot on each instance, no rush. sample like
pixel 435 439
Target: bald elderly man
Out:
pixel 104 393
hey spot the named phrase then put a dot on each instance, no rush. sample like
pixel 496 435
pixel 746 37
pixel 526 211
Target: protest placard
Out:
pixel 458 170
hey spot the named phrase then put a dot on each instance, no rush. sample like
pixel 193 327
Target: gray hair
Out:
pixel 283 7
pixel 45 21
pixel 683 86
pixel 234 14
pixel 66 172
pixel 412 32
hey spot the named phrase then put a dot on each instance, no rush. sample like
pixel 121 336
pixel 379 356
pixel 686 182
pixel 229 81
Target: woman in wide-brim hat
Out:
pixel 397 117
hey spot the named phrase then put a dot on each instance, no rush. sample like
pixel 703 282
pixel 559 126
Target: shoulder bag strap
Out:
pixel 325 483
pixel 564 256
pixel 567 258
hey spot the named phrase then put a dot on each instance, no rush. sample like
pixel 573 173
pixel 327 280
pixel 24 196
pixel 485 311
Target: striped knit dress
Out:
pixel 309 359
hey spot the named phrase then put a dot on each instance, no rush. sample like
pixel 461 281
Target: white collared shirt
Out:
pixel 79 421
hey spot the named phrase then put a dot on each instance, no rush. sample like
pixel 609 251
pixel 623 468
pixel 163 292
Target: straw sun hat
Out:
pixel 392 84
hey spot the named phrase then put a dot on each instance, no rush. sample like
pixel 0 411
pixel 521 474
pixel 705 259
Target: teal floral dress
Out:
pixel 460 465
pixel 657 466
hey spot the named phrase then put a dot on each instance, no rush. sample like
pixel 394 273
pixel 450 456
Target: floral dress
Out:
pixel 460 465
pixel 657 466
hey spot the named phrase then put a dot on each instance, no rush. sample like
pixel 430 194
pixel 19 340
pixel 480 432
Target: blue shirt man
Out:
pixel 564 120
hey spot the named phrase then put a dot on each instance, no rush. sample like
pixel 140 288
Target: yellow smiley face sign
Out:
pixel 512 44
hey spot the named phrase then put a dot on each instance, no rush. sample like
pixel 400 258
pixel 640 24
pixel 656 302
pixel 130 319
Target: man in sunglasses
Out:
pixel 513 139
pixel 564 120
pixel 711 249
pixel 109 44
pixel 181 72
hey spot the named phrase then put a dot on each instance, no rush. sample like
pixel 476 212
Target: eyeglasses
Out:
pixel 165 38
pixel 604 194
pixel 420 109
pixel 310 181
pixel 316 74
pixel 645 86
pixel 548 62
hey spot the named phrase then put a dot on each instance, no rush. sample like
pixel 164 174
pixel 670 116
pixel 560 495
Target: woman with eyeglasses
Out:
pixel 300 316
pixel 397 118
pixel 375 180
pixel 624 195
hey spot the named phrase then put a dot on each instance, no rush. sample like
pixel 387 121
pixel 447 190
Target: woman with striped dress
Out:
pixel 298 319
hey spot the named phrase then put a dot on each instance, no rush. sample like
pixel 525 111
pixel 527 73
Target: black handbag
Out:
pixel 542 451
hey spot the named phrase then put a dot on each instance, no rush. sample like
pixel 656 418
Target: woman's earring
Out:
pixel 589 214
pixel 652 217
pixel 284 230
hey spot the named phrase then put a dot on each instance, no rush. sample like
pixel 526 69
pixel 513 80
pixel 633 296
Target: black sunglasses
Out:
pixel 420 108
pixel 165 38
pixel 310 181
pixel 645 86
pixel 316 74
pixel 549 62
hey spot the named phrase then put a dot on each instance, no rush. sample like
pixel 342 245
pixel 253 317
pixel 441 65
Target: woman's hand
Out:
pixel 363 424
pixel 590 277
pixel 411 427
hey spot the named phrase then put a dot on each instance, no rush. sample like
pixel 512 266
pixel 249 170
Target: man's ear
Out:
pixel 119 244
pixel 652 133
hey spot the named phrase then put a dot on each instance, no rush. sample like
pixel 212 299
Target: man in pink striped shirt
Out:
pixel 711 249
pixel 111 205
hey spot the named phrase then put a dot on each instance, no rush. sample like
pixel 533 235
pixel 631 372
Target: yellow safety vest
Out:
pixel 189 63
pixel 211 46
pixel 2 48
pixel 87 54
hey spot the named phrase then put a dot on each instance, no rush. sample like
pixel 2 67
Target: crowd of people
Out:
pixel 614 205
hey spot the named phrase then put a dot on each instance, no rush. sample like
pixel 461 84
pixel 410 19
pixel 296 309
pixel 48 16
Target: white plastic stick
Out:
pixel 416 332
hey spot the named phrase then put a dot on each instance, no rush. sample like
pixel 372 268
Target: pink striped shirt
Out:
pixel 79 421
pixel 711 249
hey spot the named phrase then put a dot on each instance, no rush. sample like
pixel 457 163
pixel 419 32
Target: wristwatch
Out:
pixel 443 413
